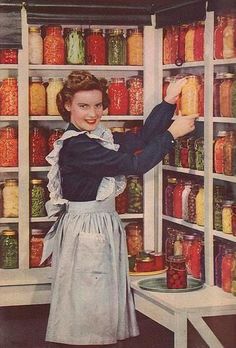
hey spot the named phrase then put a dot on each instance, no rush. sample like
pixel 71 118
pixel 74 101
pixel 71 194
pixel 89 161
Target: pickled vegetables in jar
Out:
pixel 134 47
pixel 189 43
pixel 135 194
pixel 8 56
pixel 200 207
pixel 95 47
pixel 198 45
pixel 8 249
pixel 54 46
pixel 226 95
pixel 75 47
pixel 37 198
pixel 199 153
pixel 219 152
pixel 176 273
pixel 37 97
pixel 118 94
pixel 167 41
pixel 229 39
pixel 134 232
pixel 9 147
pixel 227 217
pixel 10 198
pixel 116 45
pixel 38 147
pixel 229 152
pixel 9 97
pixel 55 135
pixel 218 37
pixel 135 93
pixel 35 46
pixel 190 96
pixel 54 87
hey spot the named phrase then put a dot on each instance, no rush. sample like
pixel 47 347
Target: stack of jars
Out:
pixel 224 95
pixel 189 246
pixel 183 43
pixel 225 153
pixel 191 100
pixel 94 46
pixel 225 268
pixel 184 200
pixel 188 153
pixel 224 37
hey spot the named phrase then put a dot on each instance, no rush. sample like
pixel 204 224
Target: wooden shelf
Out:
pixel 227 237
pixel 224 120
pixel 183 170
pixel 88 67
pixel 184 65
pixel 104 118
pixel 183 223
pixel 224 177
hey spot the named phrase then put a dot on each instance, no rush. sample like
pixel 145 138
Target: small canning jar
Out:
pixel 176 273
pixel 38 198
pixel 8 249
pixel 10 194
pixel 135 194
pixel 134 232
pixel 37 97
pixel 36 247
pixel 199 153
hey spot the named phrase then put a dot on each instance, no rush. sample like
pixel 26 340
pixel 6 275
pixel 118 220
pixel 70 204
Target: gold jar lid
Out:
pixel 116 31
pixel 36 79
pixel 11 182
pixel 36 181
pixel 34 29
pixel 8 233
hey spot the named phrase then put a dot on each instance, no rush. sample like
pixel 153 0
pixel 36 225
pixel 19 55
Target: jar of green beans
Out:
pixel 135 194
pixel 8 249
pixel 38 198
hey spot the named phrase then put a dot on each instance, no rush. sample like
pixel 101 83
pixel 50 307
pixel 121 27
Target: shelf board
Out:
pixel 183 223
pixel 43 219
pixel 223 235
pixel 9 169
pixel 183 170
pixel 104 118
pixel 9 220
pixel 40 169
pixel 9 118
pixel 88 67
pixel 199 119
pixel 224 61
pixel 122 216
pixel 8 66
pixel 224 177
pixel 46 118
pixel 131 216
pixel 184 65
pixel 224 120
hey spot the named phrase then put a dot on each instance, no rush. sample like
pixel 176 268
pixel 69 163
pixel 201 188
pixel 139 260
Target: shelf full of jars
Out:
pixel 30 123
pixel 199 176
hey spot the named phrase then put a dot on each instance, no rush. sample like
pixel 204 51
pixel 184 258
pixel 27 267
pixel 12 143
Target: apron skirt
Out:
pixel 91 299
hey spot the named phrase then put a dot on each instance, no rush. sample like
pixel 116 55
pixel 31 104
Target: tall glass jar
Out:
pixel 134 232
pixel 167 39
pixel 37 198
pixel 182 32
pixel 75 46
pixel 177 199
pixel 9 147
pixel 37 97
pixel 198 45
pixel 54 46
pixel 55 134
pixel 8 56
pixel 169 242
pixel 229 151
pixel 218 200
pixel 9 97
pixel 10 194
pixel 168 196
pixel 118 94
pixel 54 87
pixel 200 207
pixel 227 265
pixel 196 250
pixel 8 249
pixel 185 193
pixel 38 147
pixel 216 94
pixel 199 153
pixel 227 217
pixel 36 247
pixel 116 45
pixel 189 43
pixel 188 241
pixel 177 149
pixel 226 95
pixel 219 152
pixel 184 153
pixel 192 204
pixel 191 153
pixel 233 219
pixel 135 46
pixel 122 202
pixel 233 284
pixel 135 92
pixel 135 194
pixel 176 274
pixel 233 93
pixel 218 265
pixel 174 43
pixel 95 47
pixel 35 46
pixel 190 95
pixel 229 39
pixel 218 37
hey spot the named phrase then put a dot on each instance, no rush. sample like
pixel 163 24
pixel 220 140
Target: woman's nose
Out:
pixel 92 112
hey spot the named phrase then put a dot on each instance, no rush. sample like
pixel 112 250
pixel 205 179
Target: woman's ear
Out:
pixel 67 106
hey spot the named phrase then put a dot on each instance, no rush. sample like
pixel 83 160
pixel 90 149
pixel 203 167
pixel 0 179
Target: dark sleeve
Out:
pixel 85 154
pixel 156 123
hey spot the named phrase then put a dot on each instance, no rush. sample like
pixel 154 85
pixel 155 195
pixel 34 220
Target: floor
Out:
pixel 24 327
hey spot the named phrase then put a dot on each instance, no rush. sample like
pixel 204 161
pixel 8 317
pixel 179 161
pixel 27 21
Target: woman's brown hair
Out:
pixel 79 81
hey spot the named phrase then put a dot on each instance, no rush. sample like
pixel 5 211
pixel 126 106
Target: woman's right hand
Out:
pixel 182 125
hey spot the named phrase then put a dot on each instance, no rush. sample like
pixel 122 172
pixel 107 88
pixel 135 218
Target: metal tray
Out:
pixel 159 285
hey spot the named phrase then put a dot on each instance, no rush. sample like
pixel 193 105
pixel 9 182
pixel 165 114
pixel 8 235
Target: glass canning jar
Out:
pixel 167 41
pixel 135 194
pixel 135 46
pixel 170 241
pixel 75 46
pixel 233 220
pixel 190 96
pixel 1 201
pixel 116 46
pixel 122 202
pixel 176 274
pixel 134 232
pixel 192 253
pixel 36 247
pixel 227 217
pixel 192 203
pixel 227 265
pixel 216 94
pixel 198 44
pixel 8 56
pixel 185 193
pixel 218 264
pixel 189 43
pixel 35 46
pixel 118 95
pixel 218 37
pixel 191 153
pixel 229 152
pixel 229 39
pixel 38 147
pixel 54 46
pixel 37 198
pixel 55 134
pixel 135 94
pixel 37 97
pixel 10 194
pixel 177 149
pixel 8 249
pixel 95 47
pixel 219 152
pixel 9 147
pixel 9 97
pixel 226 95
pixel 168 196
pixel 199 153
pixel 184 153
pixel 54 87
pixel 218 199
pixel 200 207
pixel 177 199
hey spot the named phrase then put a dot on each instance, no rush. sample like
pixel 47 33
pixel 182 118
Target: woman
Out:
pixel 91 299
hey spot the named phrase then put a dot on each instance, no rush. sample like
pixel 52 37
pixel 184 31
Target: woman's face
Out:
pixel 86 109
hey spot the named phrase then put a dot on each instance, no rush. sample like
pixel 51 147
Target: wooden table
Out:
pixel 173 310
